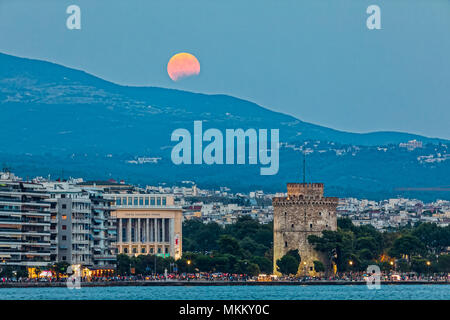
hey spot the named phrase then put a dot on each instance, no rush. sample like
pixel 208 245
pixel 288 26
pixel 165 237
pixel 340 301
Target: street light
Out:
pixel 350 262
pixel 189 264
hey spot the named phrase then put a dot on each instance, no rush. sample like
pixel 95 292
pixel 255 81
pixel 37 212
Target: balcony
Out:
pixel 80 231
pixel 83 242
pixel 107 257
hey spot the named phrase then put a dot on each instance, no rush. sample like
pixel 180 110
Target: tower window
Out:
pixel 310 225
pixel 285 244
pixel 292 225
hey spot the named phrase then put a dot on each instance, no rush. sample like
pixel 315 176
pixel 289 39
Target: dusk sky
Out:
pixel 315 60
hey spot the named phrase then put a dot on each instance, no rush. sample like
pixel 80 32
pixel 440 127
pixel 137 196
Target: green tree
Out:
pixel 345 224
pixel 228 244
pixel 419 265
pixel 204 263
pixel 123 264
pixel 435 238
pixel 403 265
pixel 406 245
pixel 295 254
pixel 264 264
pixel 287 265
pixel 252 247
pixel 318 266
pixel 443 264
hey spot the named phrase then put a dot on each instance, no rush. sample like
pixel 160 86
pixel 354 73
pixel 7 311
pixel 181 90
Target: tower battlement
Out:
pixel 305 189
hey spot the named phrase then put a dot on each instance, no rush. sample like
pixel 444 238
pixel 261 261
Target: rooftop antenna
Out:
pixel 304 167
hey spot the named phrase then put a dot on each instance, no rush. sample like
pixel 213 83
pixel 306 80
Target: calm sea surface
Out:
pixel 322 292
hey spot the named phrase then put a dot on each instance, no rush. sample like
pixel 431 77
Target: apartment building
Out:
pixel 70 223
pixel 24 222
pixel 103 231
pixel 82 228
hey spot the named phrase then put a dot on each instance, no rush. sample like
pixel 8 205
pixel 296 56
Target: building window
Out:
pixel 64 258
pixel 64 238
pixel 310 225
pixel 64 206
pixel 125 250
pixel 164 201
pixel 152 201
pixel 158 201
pixel 141 201
pixel 134 250
pixel 285 244
pixel 310 268
pixel 167 250
pixel 135 201
pixel 159 250
pixel 292 225
pixel 143 250
pixel 64 227
pixel 151 250
pixel 146 201
pixel 119 201
pixel 64 217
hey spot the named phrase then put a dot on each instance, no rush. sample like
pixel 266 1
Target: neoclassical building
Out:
pixel 147 224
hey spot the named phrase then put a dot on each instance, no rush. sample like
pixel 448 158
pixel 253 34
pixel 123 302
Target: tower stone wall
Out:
pixel 305 211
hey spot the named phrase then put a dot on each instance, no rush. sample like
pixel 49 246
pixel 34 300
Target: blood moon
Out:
pixel 183 65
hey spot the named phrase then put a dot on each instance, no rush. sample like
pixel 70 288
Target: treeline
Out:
pixel 244 247
pixel 241 247
pixel 422 248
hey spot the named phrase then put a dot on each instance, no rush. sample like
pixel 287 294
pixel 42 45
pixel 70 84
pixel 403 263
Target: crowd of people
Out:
pixel 227 277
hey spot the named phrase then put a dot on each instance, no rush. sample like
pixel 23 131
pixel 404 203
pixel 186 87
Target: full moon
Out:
pixel 183 65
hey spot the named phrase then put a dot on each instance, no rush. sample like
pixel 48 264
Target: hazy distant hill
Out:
pixel 54 118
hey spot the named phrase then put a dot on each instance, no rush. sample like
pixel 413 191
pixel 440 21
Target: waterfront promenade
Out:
pixel 201 282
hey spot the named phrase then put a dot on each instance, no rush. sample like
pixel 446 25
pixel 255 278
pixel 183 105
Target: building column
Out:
pixel 138 234
pixel 155 230
pixel 120 231
pixel 147 230
pixel 129 230
pixel 129 235
pixel 172 237
pixel 155 234
pixel 163 229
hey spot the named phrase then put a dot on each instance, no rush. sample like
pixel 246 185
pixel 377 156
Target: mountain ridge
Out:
pixel 59 119
pixel 368 138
